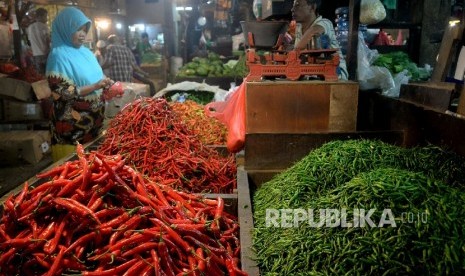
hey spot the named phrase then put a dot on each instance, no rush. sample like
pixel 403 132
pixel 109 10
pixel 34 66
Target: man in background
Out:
pixel 39 37
pixel 122 65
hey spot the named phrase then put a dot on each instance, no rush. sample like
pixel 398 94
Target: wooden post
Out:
pixel 447 52
pixel 351 57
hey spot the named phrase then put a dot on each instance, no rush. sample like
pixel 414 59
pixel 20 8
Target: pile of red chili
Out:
pixel 98 216
pixel 158 143
pixel 209 130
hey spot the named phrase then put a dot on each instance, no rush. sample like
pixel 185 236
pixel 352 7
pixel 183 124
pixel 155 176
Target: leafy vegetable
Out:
pixel 398 61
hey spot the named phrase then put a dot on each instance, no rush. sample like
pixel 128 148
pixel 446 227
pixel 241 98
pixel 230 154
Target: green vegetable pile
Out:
pixel 212 66
pixel 200 97
pixel 365 174
pixel 397 62
pixel 151 58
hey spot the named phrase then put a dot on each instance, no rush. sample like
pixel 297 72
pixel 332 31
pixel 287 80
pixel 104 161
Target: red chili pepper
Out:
pixel 192 266
pixel 132 223
pixel 40 259
pixel 215 226
pixel 217 250
pixel 112 271
pixel 57 262
pixel 175 236
pixel 230 267
pixel 134 239
pixel 155 262
pixel 5 257
pixel 135 270
pixel 86 238
pixel 52 244
pixel 53 172
pixel 165 260
pixel 19 199
pixel 71 186
pixel 140 248
pixel 76 207
pixel 58 183
pixel 201 260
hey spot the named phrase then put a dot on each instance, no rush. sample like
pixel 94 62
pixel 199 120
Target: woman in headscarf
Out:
pixel 76 80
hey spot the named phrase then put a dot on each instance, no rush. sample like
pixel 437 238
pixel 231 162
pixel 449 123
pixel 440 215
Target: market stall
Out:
pixel 210 178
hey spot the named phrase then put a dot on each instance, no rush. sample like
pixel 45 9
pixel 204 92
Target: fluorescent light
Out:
pixel 453 22
pixel 102 23
pixel 119 26
pixel 183 8
pixel 141 27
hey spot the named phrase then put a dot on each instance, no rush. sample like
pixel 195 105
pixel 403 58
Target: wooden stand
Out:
pixel 301 106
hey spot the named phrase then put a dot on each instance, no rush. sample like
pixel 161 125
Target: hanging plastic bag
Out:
pixel 232 114
pixel 372 12
pixel 369 76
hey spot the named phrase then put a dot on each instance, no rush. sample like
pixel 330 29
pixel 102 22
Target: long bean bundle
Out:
pixel 367 175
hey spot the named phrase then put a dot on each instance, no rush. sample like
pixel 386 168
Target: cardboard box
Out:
pixel 41 89
pixel 16 89
pixel 23 146
pixel 16 111
pixel 132 91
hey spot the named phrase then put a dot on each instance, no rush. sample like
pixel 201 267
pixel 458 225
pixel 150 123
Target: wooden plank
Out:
pixel 258 177
pixel 461 105
pixel 421 125
pixel 437 96
pixel 446 52
pixel 343 107
pixel 302 106
pixel 248 263
pixel 277 151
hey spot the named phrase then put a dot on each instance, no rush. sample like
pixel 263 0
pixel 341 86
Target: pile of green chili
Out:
pixel 424 183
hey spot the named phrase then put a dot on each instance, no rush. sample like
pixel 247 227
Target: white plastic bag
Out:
pixel 377 77
pixel 399 79
pixel 372 12
pixel 369 76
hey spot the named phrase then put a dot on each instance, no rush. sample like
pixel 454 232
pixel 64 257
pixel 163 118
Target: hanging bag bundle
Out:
pixel 372 12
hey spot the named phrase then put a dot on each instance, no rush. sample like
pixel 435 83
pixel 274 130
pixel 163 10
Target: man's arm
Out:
pixel 313 30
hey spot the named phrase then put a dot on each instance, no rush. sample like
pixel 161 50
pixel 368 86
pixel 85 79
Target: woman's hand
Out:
pixel 104 83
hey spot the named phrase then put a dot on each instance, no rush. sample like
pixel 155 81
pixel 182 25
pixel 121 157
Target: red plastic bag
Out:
pixel 232 114
pixel 115 90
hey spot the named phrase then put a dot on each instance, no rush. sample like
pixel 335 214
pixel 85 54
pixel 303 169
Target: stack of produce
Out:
pixel 212 66
pixel 209 130
pixel 151 58
pixel 198 96
pixel 397 62
pixel 98 216
pixel 419 191
pixel 159 145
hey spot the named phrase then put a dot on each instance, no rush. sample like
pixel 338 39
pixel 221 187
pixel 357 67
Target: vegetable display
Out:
pixel 209 130
pixel 352 175
pixel 212 66
pixel 198 96
pixel 397 62
pixel 98 216
pixel 149 58
pixel 159 144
